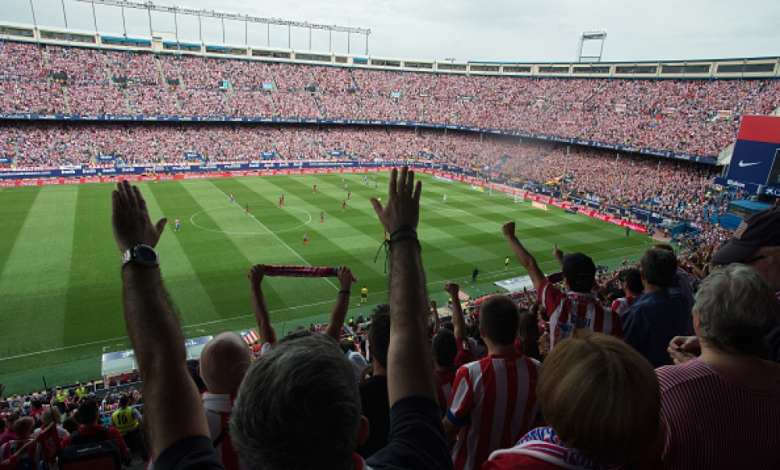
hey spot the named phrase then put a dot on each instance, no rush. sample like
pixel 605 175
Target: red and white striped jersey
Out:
pixel 622 304
pixel 11 447
pixel 574 310
pixel 218 408
pixel 708 421
pixel 494 401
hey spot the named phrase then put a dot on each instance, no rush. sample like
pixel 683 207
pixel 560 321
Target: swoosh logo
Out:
pixel 742 164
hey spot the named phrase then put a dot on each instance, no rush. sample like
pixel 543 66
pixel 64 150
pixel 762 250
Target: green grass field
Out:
pixel 60 291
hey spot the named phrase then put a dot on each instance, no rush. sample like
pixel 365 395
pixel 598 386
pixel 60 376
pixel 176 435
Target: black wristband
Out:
pixel 403 228
pixel 345 291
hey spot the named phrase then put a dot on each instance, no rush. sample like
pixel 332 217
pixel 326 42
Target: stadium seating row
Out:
pixel 693 117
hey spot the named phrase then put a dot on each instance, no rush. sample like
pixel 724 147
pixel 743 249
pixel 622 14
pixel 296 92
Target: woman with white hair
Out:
pixel 722 409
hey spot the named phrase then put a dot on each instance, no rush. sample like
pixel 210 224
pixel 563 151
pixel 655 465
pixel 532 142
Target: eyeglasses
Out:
pixel 756 258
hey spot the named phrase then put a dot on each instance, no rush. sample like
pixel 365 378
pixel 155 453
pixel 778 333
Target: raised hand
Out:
pixel 557 254
pixel 345 277
pixel 256 275
pixel 452 288
pixel 508 229
pixel 130 219
pixel 403 201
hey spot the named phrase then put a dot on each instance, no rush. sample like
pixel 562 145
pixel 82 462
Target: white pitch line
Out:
pixel 274 235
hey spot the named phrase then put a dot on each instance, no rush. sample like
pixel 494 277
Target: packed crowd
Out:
pixel 694 117
pixel 53 145
pixel 685 352
pixel 68 418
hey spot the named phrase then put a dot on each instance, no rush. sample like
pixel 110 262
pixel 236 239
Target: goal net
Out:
pixel 517 198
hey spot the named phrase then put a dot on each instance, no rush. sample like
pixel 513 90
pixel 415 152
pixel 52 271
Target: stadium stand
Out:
pixel 694 117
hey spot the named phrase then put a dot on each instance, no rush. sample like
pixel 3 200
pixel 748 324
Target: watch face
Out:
pixel 145 254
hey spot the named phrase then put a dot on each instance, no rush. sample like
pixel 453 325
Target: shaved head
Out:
pixel 223 363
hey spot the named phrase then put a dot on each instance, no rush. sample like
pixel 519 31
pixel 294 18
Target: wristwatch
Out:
pixel 141 254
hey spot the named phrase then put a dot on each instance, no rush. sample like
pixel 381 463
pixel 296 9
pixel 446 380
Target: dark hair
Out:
pixel 124 400
pixel 444 348
pixel 89 411
pixel 579 271
pixel 528 331
pixel 633 279
pixel 659 267
pixel 499 319
pixel 71 425
pixel 379 334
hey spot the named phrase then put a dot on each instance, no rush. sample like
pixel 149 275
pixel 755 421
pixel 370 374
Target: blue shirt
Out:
pixel 651 323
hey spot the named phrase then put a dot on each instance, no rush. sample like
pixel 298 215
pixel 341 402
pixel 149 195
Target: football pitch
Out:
pixel 60 289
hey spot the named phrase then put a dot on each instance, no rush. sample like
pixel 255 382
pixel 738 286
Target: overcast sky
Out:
pixel 466 30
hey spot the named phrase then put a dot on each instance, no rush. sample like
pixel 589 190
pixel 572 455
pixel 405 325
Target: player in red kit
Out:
pixel 322 217
pixel 246 208
pixel 343 206
pixel 349 196
pixel 305 239
pixel 314 189
pixel 281 201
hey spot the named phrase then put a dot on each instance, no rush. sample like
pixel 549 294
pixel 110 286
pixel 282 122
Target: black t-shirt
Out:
pixel 416 438
pixel 195 452
pixel 375 405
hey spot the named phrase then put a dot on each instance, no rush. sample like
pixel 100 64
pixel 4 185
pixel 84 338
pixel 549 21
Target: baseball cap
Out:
pixel 760 229
pixel 579 269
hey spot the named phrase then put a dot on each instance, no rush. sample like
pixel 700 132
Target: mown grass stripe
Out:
pixel 94 278
pixel 34 281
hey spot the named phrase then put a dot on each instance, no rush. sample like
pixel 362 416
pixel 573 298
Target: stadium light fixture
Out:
pixel 150 6
pixel 591 35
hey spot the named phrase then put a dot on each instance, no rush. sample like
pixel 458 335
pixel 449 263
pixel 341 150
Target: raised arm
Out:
pixel 341 306
pixel 408 373
pixel 153 328
pixel 265 329
pixel 558 255
pixel 523 256
pixel 458 321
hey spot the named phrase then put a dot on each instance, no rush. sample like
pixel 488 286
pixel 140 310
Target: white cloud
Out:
pixel 500 30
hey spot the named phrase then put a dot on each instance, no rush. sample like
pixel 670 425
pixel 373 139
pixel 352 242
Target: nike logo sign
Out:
pixel 742 164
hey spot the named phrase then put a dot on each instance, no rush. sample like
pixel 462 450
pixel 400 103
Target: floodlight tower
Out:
pixel 591 35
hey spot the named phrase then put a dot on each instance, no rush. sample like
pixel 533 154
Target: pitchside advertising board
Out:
pixel 756 158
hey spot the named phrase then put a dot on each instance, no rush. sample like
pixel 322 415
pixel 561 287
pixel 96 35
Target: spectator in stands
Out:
pixel 660 314
pixel 631 283
pixel 579 308
pixel 721 410
pixel 494 399
pixel 223 363
pixel 177 435
pixel 24 450
pixel 528 334
pixel 51 415
pixel 451 351
pixel 756 243
pixel 374 401
pixel 90 431
pixel 129 422
pixel 578 378
pixel 9 434
pixel 179 438
pixel 282 380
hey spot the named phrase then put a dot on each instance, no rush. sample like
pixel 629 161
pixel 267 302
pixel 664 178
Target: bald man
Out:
pixel 223 363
